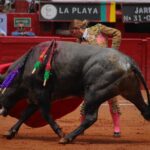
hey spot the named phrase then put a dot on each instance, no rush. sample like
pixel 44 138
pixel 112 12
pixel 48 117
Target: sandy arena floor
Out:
pixel 135 133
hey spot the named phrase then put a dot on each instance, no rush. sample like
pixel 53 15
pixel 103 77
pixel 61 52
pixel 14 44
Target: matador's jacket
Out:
pixel 98 35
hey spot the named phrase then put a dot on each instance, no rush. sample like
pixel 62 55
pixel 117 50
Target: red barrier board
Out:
pixel 12 48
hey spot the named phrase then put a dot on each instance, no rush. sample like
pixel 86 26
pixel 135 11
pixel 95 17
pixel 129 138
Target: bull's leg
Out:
pixel 131 90
pixel 27 113
pixel 91 105
pixel 45 107
pixel 90 117
pixel 94 97
pixel 135 96
pixel 43 97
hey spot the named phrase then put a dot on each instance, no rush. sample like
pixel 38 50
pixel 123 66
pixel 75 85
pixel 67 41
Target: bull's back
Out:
pixel 71 59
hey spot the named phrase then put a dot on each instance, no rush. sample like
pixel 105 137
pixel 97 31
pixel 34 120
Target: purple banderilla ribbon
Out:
pixel 9 78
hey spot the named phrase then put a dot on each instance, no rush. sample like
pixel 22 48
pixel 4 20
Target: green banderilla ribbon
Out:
pixel 47 74
pixel 36 66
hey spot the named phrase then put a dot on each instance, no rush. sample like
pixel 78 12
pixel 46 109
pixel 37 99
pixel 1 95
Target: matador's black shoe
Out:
pixel 117 134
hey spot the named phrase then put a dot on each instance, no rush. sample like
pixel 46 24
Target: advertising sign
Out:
pixel 25 21
pixel 104 12
pixel 136 13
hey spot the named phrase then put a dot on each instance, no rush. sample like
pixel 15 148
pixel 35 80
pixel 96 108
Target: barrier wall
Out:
pixel 12 48
pixel 136 48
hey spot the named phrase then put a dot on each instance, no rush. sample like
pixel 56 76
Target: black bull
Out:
pixel 93 73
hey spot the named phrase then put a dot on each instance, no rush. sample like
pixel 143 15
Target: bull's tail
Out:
pixel 139 74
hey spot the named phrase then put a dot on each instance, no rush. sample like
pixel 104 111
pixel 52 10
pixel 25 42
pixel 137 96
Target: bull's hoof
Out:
pixel 82 133
pixel 10 134
pixel 62 135
pixel 64 141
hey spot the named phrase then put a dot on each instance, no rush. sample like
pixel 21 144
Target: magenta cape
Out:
pixel 59 108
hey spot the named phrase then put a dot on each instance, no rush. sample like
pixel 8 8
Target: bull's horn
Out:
pixel 2 111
